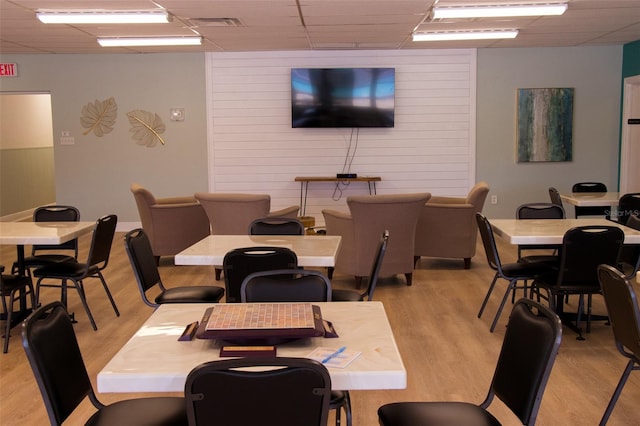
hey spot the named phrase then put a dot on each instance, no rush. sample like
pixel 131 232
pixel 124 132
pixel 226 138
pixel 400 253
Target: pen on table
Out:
pixel 333 355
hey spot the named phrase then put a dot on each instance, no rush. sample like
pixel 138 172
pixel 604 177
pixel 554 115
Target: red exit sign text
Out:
pixel 8 70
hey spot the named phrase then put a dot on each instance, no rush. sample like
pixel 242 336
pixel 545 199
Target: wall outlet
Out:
pixel 494 199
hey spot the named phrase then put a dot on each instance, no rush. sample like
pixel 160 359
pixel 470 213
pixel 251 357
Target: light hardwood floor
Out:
pixel 448 352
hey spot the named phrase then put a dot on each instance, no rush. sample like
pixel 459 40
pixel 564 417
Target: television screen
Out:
pixel 342 97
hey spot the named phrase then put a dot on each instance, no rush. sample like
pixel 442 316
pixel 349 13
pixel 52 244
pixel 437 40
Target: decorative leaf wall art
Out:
pixel 146 127
pixel 99 117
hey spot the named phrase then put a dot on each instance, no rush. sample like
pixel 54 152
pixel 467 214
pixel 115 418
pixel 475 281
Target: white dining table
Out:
pixel 551 231
pixel 311 250
pixel 591 199
pixel 29 233
pixel 153 360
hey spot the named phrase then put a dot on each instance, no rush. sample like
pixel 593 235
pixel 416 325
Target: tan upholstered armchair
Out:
pixel 231 214
pixel 361 229
pixel 447 226
pixel 172 224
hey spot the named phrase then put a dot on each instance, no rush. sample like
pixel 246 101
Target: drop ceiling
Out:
pixel 258 25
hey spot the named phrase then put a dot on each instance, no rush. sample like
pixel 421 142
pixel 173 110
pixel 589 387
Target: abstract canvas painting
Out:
pixel 545 124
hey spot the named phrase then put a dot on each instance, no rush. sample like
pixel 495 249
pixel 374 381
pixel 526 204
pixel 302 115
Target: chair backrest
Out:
pixel 554 195
pixel 57 213
pixel 276 226
pixel 145 269
pixel 630 253
pixel 102 241
pixel 540 211
pixel 284 392
pixel 489 242
pixel 231 214
pixel 622 306
pixel 589 187
pixel 54 355
pixel 628 206
pixel 239 263
pixel 375 267
pixel 529 350
pixel 286 285
pixel 398 213
pixel 584 248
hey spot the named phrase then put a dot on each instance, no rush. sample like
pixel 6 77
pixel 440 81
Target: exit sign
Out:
pixel 8 70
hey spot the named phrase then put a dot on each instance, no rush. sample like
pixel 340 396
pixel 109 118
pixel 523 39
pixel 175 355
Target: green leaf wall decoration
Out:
pixel 99 117
pixel 146 127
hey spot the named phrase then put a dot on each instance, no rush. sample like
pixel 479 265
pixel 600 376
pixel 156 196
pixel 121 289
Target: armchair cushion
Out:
pixel 447 225
pixel 172 224
pixel 361 229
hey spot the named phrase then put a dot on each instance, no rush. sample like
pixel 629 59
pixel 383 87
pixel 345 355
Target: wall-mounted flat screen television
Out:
pixel 342 97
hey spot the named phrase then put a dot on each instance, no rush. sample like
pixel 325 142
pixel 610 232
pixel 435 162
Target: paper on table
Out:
pixel 341 360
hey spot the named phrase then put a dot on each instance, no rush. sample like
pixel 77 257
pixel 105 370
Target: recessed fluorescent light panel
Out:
pixel 97 16
pixel 499 11
pixel 463 35
pixel 149 41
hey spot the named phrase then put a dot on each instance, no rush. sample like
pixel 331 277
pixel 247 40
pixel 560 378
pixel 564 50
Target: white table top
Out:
pixel 153 360
pixel 312 250
pixel 551 231
pixel 592 199
pixel 20 233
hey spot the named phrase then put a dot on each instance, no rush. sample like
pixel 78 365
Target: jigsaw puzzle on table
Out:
pixel 235 321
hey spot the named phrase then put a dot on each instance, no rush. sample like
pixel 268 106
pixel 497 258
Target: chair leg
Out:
pixel 330 270
pixel 79 286
pixel 614 398
pixel 347 408
pixel 486 297
pixel 8 311
pixel 106 289
pixel 409 277
pixel 218 272
pixel 510 288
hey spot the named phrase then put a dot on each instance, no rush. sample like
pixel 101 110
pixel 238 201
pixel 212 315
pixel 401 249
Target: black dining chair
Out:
pixel 239 263
pixel 554 196
pixel 276 226
pixel 13 287
pixel 47 254
pixel 347 295
pixel 295 285
pixel 529 350
pixel 583 249
pixel 624 315
pixel 77 272
pixel 286 285
pixel 145 269
pixel 629 261
pixel 54 355
pixel 539 211
pixel 628 205
pixel 590 210
pixel 512 272
pixel 258 391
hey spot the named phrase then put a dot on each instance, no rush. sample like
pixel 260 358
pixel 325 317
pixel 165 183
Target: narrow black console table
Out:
pixel 304 185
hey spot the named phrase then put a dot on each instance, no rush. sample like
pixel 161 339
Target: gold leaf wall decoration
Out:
pixel 146 127
pixel 99 117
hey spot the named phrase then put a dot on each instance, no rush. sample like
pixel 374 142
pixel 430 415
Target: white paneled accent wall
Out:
pixel 252 147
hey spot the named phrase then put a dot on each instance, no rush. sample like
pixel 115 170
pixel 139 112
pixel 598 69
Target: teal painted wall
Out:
pixel 631 59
